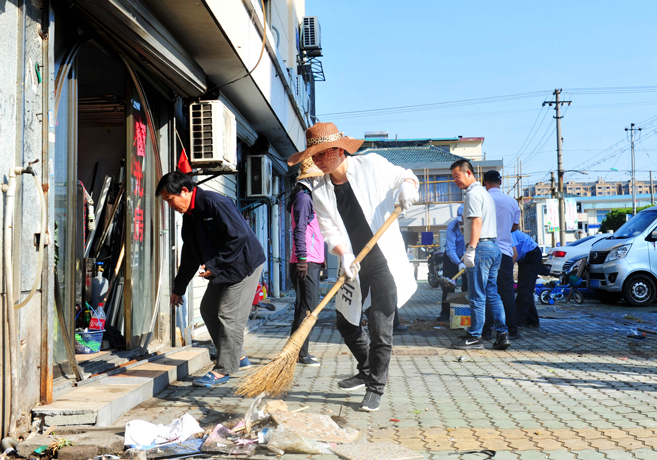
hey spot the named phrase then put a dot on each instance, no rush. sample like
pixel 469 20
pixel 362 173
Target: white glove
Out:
pixel 469 257
pixel 408 195
pixel 349 267
pixel 461 266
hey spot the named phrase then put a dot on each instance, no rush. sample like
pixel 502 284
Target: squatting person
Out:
pixel 482 258
pixel 217 239
pixel 452 264
pixel 353 200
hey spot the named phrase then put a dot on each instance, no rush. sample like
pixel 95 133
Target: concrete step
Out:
pixel 103 401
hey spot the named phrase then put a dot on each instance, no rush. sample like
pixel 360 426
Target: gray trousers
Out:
pixel 225 310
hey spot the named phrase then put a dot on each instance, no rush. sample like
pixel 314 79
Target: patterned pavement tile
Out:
pixel 573 388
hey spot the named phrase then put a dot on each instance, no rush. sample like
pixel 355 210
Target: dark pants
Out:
pixel 528 269
pixel 307 297
pixel 505 290
pixel 449 270
pixel 373 351
pixel 225 310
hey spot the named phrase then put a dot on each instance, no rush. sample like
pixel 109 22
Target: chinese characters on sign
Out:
pixel 137 176
pixel 571 214
pixel 552 217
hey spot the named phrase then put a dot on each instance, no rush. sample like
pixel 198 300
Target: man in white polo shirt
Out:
pixel 507 213
pixel 482 259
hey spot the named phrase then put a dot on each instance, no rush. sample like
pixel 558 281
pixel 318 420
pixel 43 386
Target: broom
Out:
pixel 276 376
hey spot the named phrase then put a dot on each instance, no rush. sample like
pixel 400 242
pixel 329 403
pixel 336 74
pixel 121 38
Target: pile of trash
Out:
pixel 267 425
pixel 267 429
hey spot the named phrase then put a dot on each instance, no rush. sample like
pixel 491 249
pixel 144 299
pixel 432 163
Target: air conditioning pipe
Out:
pixel 10 189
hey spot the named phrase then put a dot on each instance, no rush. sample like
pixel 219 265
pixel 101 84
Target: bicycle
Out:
pixel 558 290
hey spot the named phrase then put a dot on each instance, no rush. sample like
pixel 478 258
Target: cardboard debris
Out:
pixel 275 405
pixel 375 451
pixel 314 426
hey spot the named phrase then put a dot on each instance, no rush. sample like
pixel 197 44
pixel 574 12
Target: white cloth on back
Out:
pixel 507 214
pixel 375 182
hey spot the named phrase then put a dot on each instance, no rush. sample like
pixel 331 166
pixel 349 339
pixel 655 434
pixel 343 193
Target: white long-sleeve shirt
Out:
pixel 375 182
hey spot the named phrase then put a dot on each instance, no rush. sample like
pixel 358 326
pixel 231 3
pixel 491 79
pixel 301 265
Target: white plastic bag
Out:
pixel 141 433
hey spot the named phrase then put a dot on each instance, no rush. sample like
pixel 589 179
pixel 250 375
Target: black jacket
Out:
pixel 217 236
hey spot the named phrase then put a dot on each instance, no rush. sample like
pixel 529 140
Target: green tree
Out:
pixel 617 217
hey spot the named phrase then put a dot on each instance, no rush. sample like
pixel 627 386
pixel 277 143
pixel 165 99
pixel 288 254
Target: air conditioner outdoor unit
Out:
pixel 258 176
pixel 311 34
pixel 213 134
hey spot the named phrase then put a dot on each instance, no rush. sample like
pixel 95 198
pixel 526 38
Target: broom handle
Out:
pixel 458 274
pixel 368 247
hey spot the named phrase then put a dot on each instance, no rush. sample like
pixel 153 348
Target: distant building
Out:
pixel 591 211
pixel 464 147
pixel 597 188
pixel 439 196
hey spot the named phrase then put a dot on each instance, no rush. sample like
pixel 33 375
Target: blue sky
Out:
pixel 388 54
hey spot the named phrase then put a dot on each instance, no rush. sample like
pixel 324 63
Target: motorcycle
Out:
pixel 435 264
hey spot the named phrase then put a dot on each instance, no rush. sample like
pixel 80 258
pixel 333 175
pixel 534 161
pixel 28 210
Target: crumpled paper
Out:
pixel 139 433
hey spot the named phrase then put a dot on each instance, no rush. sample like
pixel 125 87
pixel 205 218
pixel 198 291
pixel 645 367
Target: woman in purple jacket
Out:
pixel 307 252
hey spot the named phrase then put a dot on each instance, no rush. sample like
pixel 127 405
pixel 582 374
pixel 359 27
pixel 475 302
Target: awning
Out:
pixel 141 34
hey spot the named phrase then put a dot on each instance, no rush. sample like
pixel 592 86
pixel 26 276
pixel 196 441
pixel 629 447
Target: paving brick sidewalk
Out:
pixel 577 387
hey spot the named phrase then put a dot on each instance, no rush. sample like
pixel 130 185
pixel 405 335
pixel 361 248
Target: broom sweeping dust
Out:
pixel 276 377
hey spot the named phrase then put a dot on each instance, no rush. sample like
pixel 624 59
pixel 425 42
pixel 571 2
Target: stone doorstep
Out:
pixel 89 442
pixel 101 402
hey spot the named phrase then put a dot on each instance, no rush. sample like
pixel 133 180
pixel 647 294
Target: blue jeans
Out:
pixel 482 288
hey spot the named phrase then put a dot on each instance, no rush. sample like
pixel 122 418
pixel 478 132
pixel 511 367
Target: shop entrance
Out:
pixel 105 213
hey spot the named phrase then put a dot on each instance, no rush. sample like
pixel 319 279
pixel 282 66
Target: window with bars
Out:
pixel 439 188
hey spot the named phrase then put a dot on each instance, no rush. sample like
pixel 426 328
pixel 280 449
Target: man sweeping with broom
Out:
pixel 353 200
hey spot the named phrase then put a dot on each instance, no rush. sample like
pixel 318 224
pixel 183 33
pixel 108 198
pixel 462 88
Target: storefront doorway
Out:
pixel 106 252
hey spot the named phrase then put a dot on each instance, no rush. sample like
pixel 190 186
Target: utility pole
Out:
pixel 522 199
pixel 631 129
pixel 562 206
pixel 553 191
pixel 652 195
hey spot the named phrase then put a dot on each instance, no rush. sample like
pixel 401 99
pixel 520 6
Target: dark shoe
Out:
pixel 245 363
pixel 371 402
pixel 468 342
pixel 487 336
pixel 399 329
pixel 353 383
pixel 309 361
pixel 502 342
pixel 210 380
pixel 515 335
pixel 532 325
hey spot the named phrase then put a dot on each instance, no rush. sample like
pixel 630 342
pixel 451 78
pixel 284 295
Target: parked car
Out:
pixel 545 250
pixel 625 264
pixel 558 256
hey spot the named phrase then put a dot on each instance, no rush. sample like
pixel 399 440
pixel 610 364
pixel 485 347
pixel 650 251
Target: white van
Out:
pixel 625 264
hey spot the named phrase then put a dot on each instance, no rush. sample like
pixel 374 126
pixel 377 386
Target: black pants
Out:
pixel 449 270
pixel 373 351
pixel 528 269
pixel 307 297
pixel 505 290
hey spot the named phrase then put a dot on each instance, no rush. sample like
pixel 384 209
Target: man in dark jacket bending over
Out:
pixel 216 238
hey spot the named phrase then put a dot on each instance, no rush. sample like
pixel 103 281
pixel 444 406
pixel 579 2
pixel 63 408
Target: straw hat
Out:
pixel 322 136
pixel 309 169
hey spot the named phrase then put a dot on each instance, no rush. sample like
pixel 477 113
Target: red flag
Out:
pixel 183 163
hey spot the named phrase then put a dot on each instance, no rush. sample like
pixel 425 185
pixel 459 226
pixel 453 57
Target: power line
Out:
pixel 457 103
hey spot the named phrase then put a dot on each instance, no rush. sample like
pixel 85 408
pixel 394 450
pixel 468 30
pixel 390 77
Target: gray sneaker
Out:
pixel 353 383
pixel 371 402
